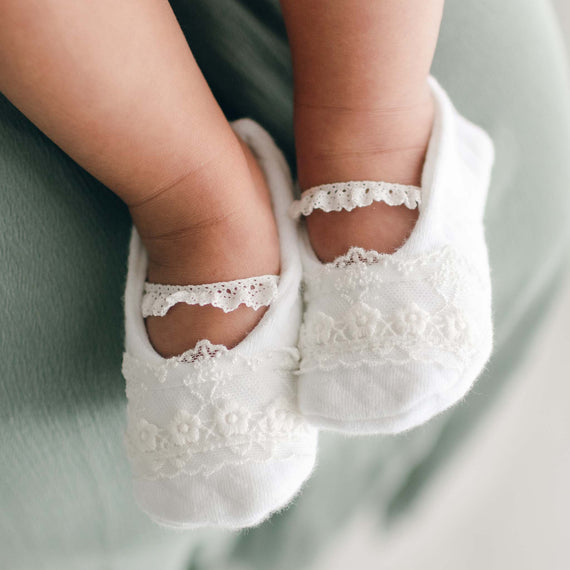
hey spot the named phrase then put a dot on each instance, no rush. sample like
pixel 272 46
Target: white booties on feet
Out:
pixel 214 436
pixel 390 340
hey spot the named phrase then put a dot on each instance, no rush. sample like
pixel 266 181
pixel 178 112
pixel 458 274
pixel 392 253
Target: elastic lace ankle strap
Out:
pixel 254 292
pixel 349 195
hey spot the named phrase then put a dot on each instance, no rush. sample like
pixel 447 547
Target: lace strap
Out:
pixel 254 292
pixel 350 195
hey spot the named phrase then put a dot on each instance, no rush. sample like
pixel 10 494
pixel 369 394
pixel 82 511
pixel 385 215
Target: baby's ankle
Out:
pixel 229 249
pixel 386 144
pixel 234 238
pixel 199 227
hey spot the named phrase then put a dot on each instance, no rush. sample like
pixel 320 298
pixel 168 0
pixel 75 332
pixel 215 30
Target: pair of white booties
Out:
pixel 375 343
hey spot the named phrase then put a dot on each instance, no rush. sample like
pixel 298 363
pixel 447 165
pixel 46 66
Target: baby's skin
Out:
pixel 115 85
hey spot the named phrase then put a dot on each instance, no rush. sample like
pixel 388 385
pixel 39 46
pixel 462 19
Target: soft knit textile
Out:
pixel 214 436
pixel 388 341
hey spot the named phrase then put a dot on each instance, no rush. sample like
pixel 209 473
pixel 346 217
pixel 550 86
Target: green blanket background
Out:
pixel 65 496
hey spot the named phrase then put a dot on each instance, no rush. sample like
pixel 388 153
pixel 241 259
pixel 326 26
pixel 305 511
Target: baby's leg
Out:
pixel 115 85
pixel 363 109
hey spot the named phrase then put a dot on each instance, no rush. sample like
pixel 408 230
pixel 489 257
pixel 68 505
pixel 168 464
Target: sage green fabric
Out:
pixel 65 495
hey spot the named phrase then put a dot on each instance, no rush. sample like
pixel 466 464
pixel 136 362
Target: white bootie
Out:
pixel 214 436
pixel 389 341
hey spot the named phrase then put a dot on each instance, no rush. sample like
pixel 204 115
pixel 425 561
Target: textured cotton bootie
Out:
pixel 390 340
pixel 214 435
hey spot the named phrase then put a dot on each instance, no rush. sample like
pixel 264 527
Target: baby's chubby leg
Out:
pixel 363 109
pixel 115 85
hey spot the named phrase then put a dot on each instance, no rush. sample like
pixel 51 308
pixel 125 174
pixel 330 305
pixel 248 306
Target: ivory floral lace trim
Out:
pixel 350 195
pixel 175 373
pixel 357 255
pixel 222 433
pixel 203 350
pixel 254 292
pixel 436 320
pixel 216 419
pixel 360 272
pixel 409 334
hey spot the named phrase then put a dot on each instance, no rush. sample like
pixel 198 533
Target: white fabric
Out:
pixel 354 194
pixel 254 292
pixel 388 341
pixel 214 436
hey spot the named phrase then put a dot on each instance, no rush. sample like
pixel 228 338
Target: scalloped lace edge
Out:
pixel 358 255
pixel 349 195
pixel 254 292
pixel 203 350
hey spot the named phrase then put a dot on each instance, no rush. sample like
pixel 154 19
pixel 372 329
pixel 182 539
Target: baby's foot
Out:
pixel 215 226
pixel 389 341
pixel 219 441
pixel 341 145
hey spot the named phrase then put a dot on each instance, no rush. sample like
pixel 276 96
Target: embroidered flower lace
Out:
pixel 350 195
pixel 226 412
pixel 254 292
pixel 392 308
